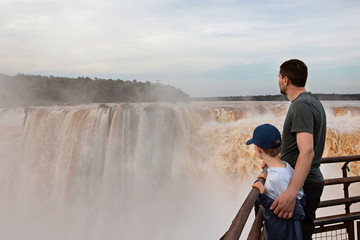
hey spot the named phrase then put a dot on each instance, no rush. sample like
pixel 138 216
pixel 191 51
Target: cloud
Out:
pixel 173 39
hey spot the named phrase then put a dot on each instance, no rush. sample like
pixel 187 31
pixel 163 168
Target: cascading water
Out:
pixel 139 171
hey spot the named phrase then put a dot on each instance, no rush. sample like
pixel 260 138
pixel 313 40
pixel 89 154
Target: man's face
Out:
pixel 282 85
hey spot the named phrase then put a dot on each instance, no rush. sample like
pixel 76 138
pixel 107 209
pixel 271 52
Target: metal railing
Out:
pixel 323 224
pixel 348 219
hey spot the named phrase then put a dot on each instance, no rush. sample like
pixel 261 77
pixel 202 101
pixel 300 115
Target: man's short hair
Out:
pixel 296 71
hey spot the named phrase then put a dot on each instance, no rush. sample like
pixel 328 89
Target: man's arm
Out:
pixel 283 205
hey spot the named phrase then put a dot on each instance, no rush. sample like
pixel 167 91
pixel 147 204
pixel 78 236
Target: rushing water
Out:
pixel 140 171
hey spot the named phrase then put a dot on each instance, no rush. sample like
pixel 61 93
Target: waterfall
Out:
pixel 138 170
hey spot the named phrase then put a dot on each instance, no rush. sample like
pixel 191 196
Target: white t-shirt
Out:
pixel 278 180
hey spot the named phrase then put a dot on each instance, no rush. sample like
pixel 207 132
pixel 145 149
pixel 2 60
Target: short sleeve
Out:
pixel 302 118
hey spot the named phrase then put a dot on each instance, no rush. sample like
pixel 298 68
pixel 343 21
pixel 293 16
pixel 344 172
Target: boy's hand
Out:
pixel 262 175
pixel 259 186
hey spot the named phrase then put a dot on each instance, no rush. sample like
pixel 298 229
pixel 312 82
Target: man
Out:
pixel 303 144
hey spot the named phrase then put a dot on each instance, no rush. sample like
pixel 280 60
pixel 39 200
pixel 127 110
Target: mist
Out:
pixel 139 170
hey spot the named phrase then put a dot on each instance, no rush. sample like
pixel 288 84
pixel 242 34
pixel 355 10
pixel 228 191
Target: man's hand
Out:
pixel 284 205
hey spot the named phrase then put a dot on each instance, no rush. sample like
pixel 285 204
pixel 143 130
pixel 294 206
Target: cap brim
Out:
pixel 251 141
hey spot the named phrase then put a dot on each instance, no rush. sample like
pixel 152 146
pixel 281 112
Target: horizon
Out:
pixel 206 48
pixel 191 97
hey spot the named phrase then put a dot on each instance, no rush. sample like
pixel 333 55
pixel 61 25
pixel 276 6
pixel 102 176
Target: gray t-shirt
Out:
pixel 305 114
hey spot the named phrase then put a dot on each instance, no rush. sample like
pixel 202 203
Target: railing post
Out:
pixel 346 186
pixel 350 230
pixel 255 230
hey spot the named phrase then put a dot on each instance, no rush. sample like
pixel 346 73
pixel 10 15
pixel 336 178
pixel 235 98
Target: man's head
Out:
pixel 295 71
pixel 268 138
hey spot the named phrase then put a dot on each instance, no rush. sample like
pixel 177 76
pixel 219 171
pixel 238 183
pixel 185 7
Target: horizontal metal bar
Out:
pixel 330 228
pixel 333 181
pixel 329 203
pixel 340 159
pixel 337 218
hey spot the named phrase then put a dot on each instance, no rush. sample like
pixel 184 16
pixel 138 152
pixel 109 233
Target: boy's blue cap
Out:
pixel 264 136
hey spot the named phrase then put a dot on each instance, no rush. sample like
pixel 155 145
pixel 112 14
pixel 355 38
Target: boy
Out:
pixel 267 144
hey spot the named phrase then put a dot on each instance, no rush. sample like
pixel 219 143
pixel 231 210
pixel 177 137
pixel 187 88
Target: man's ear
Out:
pixel 286 80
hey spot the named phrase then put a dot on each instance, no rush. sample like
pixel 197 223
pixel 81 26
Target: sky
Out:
pixel 206 48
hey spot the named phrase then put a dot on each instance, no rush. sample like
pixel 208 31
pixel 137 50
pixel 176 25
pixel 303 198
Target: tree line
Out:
pixel 280 97
pixel 28 90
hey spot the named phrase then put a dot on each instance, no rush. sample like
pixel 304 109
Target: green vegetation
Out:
pixel 25 90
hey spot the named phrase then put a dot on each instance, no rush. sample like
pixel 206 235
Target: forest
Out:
pixel 36 90
pixel 26 90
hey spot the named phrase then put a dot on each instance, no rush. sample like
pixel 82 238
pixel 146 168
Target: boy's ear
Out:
pixel 258 149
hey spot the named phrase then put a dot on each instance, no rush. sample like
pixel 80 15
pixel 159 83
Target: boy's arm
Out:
pixel 298 214
pixel 265 201
pixel 283 205
pixel 259 185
